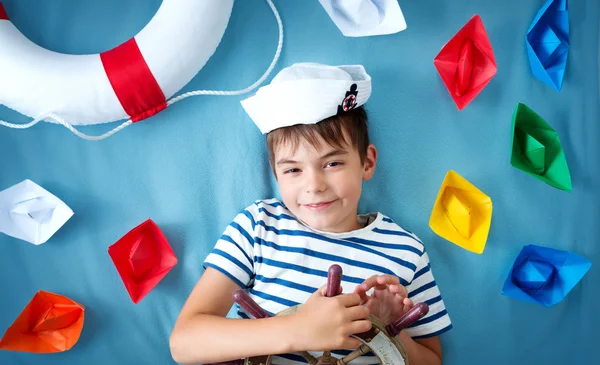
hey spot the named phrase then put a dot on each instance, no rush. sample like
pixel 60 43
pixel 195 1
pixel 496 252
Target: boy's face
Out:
pixel 321 185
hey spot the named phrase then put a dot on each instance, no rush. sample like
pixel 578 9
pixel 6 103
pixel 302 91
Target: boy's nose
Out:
pixel 316 183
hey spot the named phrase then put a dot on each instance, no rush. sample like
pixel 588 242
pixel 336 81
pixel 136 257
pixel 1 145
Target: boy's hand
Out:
pixel 324 323
pixel 389 300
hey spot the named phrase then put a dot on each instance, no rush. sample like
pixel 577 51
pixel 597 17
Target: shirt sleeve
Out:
pixel 423 288
pixel 233 254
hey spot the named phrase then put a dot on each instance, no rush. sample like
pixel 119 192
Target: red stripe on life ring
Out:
pixel 133 82
pixel 3 15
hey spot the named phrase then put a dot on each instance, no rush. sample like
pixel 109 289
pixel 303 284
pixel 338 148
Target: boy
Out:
pixel 320 153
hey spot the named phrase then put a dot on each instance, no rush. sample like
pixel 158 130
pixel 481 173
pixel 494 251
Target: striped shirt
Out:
pixel 281 262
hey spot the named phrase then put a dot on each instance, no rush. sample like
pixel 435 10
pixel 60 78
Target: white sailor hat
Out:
pixel 307 93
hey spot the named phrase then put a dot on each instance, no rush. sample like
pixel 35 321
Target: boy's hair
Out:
pixel 353 122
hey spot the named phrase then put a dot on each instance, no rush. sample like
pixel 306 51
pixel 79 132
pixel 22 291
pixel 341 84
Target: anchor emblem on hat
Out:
pixel 349 101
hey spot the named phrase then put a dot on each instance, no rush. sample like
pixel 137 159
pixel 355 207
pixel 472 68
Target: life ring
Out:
pixel 133 81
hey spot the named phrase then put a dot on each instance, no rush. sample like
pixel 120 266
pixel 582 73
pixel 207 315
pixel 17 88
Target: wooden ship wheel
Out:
pixel 380 339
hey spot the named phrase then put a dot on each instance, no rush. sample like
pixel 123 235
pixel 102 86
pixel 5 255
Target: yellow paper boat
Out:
pixel 462 214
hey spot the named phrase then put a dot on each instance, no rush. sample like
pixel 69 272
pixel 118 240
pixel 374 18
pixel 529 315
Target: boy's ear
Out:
pixel 370 162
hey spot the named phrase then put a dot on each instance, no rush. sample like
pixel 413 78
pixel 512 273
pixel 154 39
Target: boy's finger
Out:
pixel 381 286
pixel 404 300
pixel 380 282
pixel 388 279
pixel 406 305
pixel 363 296
pixel 350 343
pixel 322 291
pixel 350 300
pixel 369 283
pixel 360 327
pixel 357 313
pixel 364 287
pixel 399 289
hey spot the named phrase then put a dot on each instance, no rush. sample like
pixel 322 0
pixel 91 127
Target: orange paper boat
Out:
pixel 142 257
pixel 49 323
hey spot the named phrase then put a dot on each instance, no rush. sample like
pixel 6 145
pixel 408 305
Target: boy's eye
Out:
pixel 333 164
pixel 291 171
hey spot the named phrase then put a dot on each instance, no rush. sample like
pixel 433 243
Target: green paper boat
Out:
pixel 536 149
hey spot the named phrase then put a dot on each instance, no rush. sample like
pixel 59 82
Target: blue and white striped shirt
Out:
pixel 282 262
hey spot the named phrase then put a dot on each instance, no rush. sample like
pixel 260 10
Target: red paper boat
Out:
pixel 142 257
pixel 466 63
pixel 49 323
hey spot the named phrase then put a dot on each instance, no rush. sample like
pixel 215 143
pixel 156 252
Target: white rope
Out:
pixel 59 120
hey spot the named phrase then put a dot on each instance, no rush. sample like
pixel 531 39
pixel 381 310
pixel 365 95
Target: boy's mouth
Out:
pixel 318 206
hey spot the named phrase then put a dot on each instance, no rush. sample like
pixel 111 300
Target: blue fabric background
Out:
pixel 195 165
